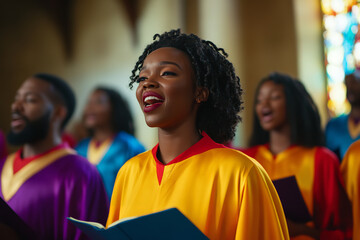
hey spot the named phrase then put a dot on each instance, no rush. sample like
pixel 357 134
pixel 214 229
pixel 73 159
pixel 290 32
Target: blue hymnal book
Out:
pixel 167 224
pixel 291 199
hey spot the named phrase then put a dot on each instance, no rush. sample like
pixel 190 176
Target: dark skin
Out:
pixel 271 111
pixel 353 95
pixel 355 113
pixel 167 74
pixel 34 99
pixel 97 116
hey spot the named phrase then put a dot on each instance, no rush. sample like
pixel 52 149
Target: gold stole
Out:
pixel 96 153
pixel 354 129
pixel 297 161
pixel 10 182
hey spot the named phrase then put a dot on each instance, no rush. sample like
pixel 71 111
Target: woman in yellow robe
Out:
pixel 287 141
pixel 350 169
pixel 190 92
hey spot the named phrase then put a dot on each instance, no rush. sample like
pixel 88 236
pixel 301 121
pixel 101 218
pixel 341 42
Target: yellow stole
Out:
pixel 354 129
pixel 10 182
pixel 95 153
pixel 297 161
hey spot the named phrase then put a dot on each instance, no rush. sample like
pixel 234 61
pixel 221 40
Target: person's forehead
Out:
pixel 35 85
pixel 99 94
pixel 168 53
pixel 270 85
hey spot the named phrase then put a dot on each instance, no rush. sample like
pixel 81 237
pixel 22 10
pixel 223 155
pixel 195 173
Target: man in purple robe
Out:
pixel 45 181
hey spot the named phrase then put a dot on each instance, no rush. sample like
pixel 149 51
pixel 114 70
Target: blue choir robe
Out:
pixel 123 147
pixel 338 137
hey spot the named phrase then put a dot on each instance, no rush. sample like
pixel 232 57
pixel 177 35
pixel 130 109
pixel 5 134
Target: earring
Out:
pixel 198 100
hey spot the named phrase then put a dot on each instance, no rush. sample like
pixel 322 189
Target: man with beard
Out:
pixel 45 181
pixel 342 131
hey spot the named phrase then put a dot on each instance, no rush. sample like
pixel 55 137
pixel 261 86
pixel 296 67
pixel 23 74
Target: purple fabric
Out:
pixel 69 187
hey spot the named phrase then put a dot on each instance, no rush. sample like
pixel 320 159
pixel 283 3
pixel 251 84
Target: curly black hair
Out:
pixel 301 111
pixel 121 117
pixel 218 116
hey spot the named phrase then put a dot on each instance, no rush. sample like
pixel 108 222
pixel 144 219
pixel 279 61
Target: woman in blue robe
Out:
pixel 111 143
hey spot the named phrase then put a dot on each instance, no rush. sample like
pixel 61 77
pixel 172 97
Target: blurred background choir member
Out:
pixel 350 169
pixel 342 131
pixel 287 140
pixel 111 143
pixel 45 181
pixel 189 91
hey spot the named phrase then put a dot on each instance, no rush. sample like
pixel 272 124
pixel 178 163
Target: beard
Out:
pixel 33 131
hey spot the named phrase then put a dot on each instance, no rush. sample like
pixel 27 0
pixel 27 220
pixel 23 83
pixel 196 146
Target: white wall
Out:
pixel 219 23
pixel 310 51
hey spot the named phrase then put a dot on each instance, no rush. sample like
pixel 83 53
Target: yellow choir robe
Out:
pixel 226 194
pixel 350 169
pixel 317 171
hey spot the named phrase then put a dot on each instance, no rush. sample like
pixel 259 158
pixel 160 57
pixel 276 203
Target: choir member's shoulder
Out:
pixel 234 157
pixel 76 166
pixel 139 160
pixel 354 147
pixel 351 159
pixel 326 157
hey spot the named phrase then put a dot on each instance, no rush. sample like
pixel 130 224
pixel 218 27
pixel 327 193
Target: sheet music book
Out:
pixel 163 225
pixel 292 200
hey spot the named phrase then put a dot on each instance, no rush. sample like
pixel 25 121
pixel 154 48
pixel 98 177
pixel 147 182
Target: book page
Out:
pixel 95 224
pixel 120 221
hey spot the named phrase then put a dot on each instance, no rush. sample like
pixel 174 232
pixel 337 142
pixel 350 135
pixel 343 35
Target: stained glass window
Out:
pixel 341 35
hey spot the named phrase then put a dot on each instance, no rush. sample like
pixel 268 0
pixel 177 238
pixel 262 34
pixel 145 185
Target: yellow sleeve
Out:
pixel 261 215
pixel 115 202
pixel 350 170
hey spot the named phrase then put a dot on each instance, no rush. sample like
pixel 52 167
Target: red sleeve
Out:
pixel 332 208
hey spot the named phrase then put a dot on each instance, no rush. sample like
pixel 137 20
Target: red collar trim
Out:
pixel 203 145
pixel 20 162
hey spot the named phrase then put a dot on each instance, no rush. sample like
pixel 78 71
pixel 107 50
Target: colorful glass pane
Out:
pixel 341 48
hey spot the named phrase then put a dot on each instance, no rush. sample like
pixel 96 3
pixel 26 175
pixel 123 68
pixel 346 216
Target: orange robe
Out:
pixel 226 194
pixel 350 169
pixel 317 173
